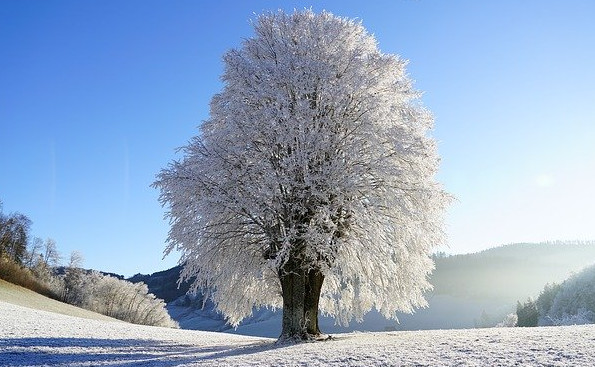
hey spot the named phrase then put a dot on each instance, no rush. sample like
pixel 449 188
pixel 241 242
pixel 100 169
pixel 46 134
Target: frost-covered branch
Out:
pixel 316 158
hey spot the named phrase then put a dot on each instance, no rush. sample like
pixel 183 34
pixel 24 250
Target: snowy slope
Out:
pixel 15 294
pixel 30 337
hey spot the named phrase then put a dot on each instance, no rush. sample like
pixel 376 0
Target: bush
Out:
pixel 581 317
pixel 510 320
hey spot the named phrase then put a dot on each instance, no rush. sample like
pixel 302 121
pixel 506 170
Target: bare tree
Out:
pixel 14 236
pixel 33 252
pixel 76 259
pixel 74 284
pixel 51 256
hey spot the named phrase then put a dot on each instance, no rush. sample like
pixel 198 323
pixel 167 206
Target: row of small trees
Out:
pixel 113 297
pixel 33 263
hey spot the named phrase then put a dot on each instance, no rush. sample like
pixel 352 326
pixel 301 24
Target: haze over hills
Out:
pixel 471 290
pixel 510 272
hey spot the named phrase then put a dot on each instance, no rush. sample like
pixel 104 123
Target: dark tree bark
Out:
pixel 301 295
pixel 293 288
pixel 314 282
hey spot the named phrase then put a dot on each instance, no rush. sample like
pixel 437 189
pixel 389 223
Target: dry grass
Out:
pixel 18 275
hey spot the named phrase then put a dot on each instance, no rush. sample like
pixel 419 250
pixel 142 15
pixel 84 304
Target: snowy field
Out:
pixel 30 337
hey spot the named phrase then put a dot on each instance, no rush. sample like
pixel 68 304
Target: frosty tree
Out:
pixel 311 185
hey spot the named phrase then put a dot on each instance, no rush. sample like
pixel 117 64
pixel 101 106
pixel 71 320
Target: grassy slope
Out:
pixel 17 295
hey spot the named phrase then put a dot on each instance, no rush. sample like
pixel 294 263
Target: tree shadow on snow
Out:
pixel 20 352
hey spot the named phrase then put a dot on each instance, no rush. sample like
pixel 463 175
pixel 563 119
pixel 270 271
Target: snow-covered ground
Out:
pixel 30 337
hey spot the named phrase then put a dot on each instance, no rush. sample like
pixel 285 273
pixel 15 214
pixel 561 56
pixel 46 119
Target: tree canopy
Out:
pixel 315 163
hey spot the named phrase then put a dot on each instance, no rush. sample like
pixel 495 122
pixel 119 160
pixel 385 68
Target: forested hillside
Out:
pixel 164 284
pixel 510 272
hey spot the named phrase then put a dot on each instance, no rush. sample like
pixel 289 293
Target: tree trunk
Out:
pixel 301 294
pixel 312 296
pixel 293 288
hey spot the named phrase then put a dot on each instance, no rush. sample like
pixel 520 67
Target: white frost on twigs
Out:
pixel 317 140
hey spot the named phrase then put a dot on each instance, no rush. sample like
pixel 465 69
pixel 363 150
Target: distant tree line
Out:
pixel 528 266
pixel 113 297
pixel 570 303
pixel 33 263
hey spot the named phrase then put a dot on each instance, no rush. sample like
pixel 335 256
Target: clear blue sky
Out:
pixel 96 95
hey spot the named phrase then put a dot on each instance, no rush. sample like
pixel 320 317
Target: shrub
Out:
pixel 510 320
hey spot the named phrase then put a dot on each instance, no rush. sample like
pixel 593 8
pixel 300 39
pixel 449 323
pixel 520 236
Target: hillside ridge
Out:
pixel 470 290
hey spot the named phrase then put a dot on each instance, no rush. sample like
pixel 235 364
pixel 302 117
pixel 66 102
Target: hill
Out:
pixel 17 295
pixel 510 272
pixel 37 338
pixel 471 290
pixel 164 284
pixel 480 289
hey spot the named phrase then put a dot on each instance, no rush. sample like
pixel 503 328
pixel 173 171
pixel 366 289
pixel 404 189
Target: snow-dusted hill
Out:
pixel 470 290
pixel 15 294
pixel 30 337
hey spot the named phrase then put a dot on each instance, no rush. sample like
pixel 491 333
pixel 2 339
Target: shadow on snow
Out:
pixel 19 352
